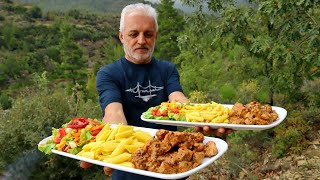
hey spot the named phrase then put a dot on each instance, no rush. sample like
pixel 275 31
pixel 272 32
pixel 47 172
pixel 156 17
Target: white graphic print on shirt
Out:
pixel 145 93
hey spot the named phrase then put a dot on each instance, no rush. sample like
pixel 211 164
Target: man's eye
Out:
pixel 148 35
pixel 133 35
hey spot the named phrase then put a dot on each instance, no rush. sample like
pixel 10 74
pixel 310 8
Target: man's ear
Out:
pixel 121 36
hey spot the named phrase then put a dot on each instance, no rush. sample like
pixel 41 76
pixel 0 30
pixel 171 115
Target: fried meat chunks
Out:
pixel 173 152
pixel 252 113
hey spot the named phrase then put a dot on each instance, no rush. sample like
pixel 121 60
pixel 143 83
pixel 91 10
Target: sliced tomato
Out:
pixel 77 123
pixel 156 112
pixel 60 135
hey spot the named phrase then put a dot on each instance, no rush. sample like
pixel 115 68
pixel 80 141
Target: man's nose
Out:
pixel 141 39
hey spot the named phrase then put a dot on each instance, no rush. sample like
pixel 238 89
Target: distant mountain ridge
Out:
pixel 107 6
pixel 97 6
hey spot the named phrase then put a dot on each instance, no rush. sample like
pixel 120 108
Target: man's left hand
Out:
pixel 206 130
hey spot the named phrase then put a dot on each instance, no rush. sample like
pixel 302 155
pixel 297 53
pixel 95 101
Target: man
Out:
pixel 138 81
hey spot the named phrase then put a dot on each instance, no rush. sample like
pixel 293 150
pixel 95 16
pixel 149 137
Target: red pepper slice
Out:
pixel 95 132
pixel 95 123
pixel 175 111
pixel 60 135
pixel 78 123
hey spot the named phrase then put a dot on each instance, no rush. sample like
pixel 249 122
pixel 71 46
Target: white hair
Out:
pixel 139 7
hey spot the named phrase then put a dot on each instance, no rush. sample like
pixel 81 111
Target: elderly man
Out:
pixel 137 81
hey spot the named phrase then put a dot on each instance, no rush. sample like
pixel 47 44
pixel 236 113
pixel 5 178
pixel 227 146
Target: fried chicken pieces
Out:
pixel 173 152
pixel 252 113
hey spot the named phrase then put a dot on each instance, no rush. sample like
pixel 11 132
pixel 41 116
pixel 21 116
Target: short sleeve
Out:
pixel 108 88
pixel 173 83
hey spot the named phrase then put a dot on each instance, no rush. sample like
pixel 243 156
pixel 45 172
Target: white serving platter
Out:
pixel 222 147
pixel 281 112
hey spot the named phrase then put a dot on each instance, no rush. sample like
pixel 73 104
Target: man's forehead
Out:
pixel 138 21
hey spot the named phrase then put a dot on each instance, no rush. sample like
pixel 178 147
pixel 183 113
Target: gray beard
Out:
pixel 138 57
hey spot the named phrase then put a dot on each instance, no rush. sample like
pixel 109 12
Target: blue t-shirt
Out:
pixel 137 87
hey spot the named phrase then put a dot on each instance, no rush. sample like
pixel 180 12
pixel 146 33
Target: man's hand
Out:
pixel 85 165
pixel 107 171
pixel 206 130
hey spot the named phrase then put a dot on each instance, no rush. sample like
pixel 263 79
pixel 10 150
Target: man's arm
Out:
pixel 114 114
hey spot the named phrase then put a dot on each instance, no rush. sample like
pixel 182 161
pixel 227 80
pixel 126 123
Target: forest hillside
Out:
pixel 269 52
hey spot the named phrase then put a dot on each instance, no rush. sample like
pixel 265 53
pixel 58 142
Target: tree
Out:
pixel 72 63
pixel 170 26
pixel 276 44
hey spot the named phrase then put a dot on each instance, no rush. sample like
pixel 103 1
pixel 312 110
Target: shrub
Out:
pixel 245 147
pixel 290 136
pixel 198 97
pixel 31 118
pixel 5 101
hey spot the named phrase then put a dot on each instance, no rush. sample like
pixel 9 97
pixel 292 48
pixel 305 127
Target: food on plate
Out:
pixel 72 136
pixel 115 145
pixel 252 113
pixel 166 110
pixel 173 152
pixel 209 112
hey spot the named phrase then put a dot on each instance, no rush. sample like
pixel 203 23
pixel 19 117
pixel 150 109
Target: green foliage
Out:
pixel 112 50
pixel 227 92
pixel 35 12
pixel 171 23
pixel 71 55
pixel 31 118
pixel 290 136
pixel 5 101
pixel 245 147
pixel 8 32
pixel 198 97
pixel 2 18
pixel 311 110
pixel 257 44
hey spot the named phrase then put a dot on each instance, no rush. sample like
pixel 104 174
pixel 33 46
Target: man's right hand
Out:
pixel 85 165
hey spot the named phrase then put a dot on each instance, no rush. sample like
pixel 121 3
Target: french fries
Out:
pixel 209 113
pixel 115 145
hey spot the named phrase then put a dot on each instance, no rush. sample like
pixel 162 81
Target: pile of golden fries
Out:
pixel 115 145
pixel 209 113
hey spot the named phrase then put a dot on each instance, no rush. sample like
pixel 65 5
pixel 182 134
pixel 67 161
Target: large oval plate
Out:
pixel 221 145
pixel 281 112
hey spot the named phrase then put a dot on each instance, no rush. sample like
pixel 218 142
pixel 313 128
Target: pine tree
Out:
pixel 170 25
pixel 72 62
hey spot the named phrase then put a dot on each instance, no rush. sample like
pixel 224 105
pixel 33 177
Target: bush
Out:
pixel 290 136
pixel 5 101
pixel 35 12
pixel 245 147
pixel 31 119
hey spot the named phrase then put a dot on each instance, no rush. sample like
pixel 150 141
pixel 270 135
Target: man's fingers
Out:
pixel 221 130
pixel 207 130
pixel 229 131
pixel 198 129
pixel 107 171
pixel 85 165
